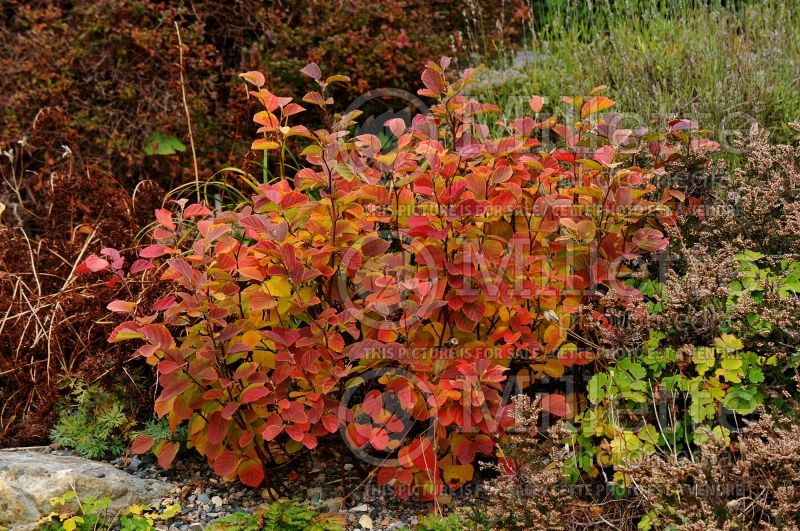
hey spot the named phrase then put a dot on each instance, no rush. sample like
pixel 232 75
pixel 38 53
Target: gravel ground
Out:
pixel 331 482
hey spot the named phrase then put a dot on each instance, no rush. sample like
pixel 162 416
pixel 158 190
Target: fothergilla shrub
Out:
pixel 379 288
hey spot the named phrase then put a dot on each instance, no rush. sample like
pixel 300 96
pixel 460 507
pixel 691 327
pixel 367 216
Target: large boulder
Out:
pixel 29 479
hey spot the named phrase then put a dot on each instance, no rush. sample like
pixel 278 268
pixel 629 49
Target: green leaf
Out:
pixel 740 401
pixel 755 375
pixel 635 369
pixel 596 387
pixel 649 434
pixel 160 144
pixel 731 364
pixel 749 256
pixel 728 343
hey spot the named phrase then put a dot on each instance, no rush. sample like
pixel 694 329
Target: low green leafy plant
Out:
pixel 280 516
pixel 672 399
pixel 93 421
pixel 433 522
pixel 92 514
pixel 667 399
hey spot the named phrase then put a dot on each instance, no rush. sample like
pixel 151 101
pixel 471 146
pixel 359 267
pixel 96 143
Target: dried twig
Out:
pixel 186 110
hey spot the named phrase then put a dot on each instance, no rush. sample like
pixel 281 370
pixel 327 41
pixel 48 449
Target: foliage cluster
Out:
pixel 95 422
pixel 100 76
pixel 673 421
pixel 280 516
pixel 747 484
pixel 381 290
pixel 91 514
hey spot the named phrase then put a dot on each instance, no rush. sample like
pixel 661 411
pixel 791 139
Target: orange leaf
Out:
pixel 595 105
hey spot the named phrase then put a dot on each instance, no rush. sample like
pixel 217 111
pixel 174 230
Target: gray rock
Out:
pixel 134 464
pixel 29 479
pixel 203 498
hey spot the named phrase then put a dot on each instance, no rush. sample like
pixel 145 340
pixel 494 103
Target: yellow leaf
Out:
pixel 504 314
pixel 251 338
pixel 171 511
pixel 279 286
pixel 458 473
pixel 71 524
pixel 137 509
pixel 264 358
pixel 551 367
pixel 263 143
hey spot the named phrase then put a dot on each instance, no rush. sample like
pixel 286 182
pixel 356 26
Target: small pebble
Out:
pixel 333 505
pixel 365 521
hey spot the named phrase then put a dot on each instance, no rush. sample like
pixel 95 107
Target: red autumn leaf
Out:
pixel 433 81
pixel 142 444
pixel 272 427
pixel 294 432
pixel 158 335
pixel 309 441
pixel 153 251
pixel 292 199
pixel 217 428
pixel 251 473
pixel 196 210
pixel 228 410
pixel 164 217
pixel 167 454
pixel 386 474
pixel 331 423
pixel 374 247
pixel 140 265
pixel 556 405
pixel 175 389
pixel 604 155
pixel 246 439
pixel 226 463
pixel 649 240
pixel 379 439
pixel 396 126
pixel 168 367
pixel 373 403
pixel 253 393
